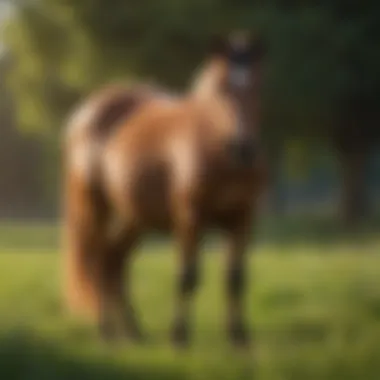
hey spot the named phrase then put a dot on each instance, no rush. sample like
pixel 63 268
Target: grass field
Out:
pixel 314 305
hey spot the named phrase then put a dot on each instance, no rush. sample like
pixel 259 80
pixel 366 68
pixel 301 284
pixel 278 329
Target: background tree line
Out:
pixel 323 73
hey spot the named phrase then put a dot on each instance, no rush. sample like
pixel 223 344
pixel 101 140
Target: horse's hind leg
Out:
pixel 116 285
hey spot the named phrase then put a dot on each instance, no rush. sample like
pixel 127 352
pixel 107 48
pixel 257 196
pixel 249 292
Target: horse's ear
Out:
pixel 217 46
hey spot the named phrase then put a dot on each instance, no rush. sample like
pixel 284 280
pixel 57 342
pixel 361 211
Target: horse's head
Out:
pixel 240 57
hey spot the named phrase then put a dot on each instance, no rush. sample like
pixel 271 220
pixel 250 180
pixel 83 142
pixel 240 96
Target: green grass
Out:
pixel 315 310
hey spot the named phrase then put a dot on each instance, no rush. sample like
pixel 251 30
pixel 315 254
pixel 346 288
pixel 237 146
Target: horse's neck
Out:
pixel 222 114
pixel 207 81
pixel 211 103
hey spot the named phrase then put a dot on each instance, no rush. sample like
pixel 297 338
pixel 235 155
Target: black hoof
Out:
pixel 239 336
pixel 180 335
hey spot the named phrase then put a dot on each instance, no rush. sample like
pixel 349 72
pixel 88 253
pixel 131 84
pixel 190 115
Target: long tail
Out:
pixel 84 244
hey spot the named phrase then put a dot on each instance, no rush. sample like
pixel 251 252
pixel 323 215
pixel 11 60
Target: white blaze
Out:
pixel 240 76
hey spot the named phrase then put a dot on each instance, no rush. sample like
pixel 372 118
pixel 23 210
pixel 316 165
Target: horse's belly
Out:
pixel 152 202
pixel 143 193
pixel 227 202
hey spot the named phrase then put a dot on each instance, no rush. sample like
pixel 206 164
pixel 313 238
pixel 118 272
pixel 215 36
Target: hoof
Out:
pixel 134 336
pixel 130 329
pixel 239 336
pixel 180 336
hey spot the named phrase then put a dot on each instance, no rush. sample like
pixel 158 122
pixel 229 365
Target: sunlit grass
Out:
pixel 315 312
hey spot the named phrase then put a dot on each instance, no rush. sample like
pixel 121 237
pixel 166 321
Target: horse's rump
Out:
pixel 87 131
pixel 99 114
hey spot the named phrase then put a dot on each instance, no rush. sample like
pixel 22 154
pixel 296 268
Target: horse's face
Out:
pixel 242 57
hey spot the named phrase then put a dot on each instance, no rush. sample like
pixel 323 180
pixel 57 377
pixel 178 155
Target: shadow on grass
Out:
pixel 25 356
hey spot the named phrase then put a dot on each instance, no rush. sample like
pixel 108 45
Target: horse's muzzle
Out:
pixel 243 152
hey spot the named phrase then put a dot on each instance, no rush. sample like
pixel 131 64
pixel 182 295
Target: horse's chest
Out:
pixel 229 196
pixel 227 193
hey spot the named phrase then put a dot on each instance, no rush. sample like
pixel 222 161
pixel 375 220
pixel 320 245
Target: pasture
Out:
pixel 313 302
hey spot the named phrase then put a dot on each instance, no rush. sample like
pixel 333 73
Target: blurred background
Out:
pixel 321 131
pixel 321 113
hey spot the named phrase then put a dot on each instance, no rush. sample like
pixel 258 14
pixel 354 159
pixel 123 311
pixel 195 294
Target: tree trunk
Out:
pixel 355 200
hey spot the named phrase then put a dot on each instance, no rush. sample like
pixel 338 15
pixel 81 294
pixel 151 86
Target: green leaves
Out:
pixel 317 54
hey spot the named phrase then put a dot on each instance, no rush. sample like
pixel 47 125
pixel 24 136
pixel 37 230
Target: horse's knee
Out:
pixel 235 281
pixel 189 279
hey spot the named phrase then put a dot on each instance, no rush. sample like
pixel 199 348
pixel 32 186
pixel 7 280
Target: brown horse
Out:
pixel 140 159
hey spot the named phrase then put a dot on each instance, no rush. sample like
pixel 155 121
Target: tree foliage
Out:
pixel 323 56
pixel 323 66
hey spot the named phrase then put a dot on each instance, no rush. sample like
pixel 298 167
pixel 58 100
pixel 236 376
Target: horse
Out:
pixel 147 160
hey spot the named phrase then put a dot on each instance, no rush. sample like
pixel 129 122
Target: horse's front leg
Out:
pixel 188 237
pixel 236 277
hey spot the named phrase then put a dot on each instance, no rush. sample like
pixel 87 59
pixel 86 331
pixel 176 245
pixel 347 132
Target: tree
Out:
pixel 357 128
pixel 323 62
